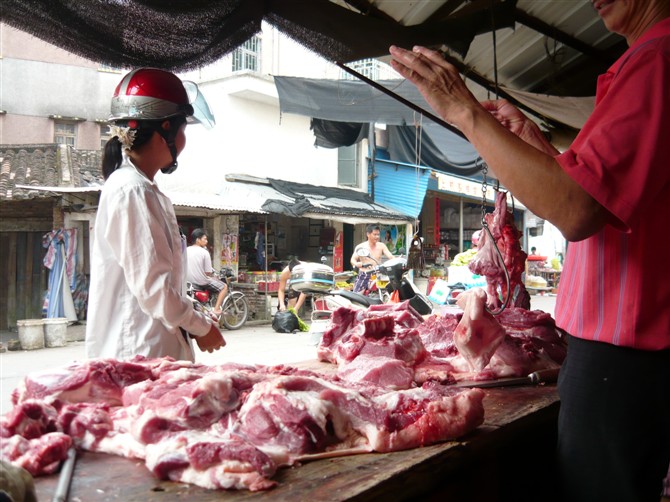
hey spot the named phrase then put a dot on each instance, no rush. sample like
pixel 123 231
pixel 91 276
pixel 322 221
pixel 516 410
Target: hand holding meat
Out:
pixel 211 341
pixel 438 81
pixel 519 124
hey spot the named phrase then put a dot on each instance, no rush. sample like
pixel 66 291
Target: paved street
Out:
pixel 251 345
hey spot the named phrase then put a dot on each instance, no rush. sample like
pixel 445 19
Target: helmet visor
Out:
pixel 201 112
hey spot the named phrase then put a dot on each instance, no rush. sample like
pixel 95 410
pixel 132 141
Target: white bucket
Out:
pixel 31 333
pixel 55 331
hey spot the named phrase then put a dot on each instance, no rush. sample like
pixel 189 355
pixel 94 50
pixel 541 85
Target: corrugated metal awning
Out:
pixel 243 194
pixel 400 186
pixel 312 201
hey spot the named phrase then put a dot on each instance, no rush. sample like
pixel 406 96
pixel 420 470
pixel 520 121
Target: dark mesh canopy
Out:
pixel 186 34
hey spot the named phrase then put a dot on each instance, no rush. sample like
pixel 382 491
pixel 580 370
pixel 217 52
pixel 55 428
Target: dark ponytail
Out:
pixel 112 156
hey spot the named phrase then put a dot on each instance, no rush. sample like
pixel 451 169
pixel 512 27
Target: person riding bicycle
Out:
pixel 200 271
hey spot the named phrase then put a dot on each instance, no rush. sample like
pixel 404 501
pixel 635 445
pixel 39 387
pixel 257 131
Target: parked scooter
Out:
pixel 234 310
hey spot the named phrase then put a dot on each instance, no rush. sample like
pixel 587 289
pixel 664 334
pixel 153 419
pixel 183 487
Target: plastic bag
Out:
pixel 285 322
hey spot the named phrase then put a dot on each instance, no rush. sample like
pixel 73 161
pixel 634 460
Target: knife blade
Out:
pixel 534 378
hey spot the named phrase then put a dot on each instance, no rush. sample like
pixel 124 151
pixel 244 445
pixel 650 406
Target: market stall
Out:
pixel 512 451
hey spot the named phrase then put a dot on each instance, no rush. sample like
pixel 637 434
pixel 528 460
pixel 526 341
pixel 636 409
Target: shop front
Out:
pixel 279 220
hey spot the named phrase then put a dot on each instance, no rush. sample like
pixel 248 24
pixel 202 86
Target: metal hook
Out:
pixel 502 262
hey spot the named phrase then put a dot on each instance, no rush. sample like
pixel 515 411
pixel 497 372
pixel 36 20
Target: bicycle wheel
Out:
pixel 234 311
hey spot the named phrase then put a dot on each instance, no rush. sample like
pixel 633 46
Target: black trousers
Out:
pixel 614 423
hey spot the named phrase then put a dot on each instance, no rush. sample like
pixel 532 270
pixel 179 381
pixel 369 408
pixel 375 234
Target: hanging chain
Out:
pixel 485 188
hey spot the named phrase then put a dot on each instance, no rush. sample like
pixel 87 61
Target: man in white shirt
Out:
pixel 200 271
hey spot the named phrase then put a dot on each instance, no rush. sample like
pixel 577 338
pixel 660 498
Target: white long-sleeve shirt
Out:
pixel 138 264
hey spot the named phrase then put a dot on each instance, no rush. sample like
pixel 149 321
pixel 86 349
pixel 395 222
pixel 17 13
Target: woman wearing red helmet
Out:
pixel 136 305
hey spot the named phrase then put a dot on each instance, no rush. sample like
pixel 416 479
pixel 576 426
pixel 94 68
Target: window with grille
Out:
pixel 347 166
pixel 247 56
pixel 367 67
pixel 65 133
pixel 105 135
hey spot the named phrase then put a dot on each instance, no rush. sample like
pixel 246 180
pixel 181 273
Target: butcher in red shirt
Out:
pixel 609 195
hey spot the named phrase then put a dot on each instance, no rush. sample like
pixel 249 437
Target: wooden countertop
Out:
pixel 518 433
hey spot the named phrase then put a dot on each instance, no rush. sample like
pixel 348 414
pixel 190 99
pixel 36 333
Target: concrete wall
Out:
pixel 38 80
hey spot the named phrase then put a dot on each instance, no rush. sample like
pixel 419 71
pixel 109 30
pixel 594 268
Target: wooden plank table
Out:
pixel 509 457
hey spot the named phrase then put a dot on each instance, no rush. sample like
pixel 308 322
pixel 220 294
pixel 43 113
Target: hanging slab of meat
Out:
pixel 487 262
pixel 478 333
pixel 227 426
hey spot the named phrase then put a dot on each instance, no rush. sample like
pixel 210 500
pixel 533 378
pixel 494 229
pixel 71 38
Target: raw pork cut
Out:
pixel 211 462
pixel 526 341
pixel 97 380
pixel 487 262
pixel 318 413
pixel 478 334
pixel 38 456
pixel 384 371
pixel 383 331
pixel 229 426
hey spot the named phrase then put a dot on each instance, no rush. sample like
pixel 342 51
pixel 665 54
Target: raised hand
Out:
pixel 437 80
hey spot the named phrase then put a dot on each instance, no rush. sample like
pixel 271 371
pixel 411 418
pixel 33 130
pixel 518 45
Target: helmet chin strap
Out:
pixel 172 167
pixel 169 136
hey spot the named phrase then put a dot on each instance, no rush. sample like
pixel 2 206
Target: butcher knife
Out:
pixel 537 377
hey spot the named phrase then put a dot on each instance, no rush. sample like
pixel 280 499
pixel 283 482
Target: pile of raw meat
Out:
pixel 227 426
pixel 392 346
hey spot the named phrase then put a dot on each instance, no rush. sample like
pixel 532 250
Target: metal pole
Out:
pixel 267 310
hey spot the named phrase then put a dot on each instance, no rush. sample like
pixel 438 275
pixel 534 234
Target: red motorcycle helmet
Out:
pixel 153 94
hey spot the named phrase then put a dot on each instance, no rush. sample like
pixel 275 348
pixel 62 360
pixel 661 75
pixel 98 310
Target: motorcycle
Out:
pixel 400 282
pixel 393 277
pixel 234 310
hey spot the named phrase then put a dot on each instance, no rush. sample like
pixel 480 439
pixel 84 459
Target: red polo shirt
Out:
pixel 615 285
